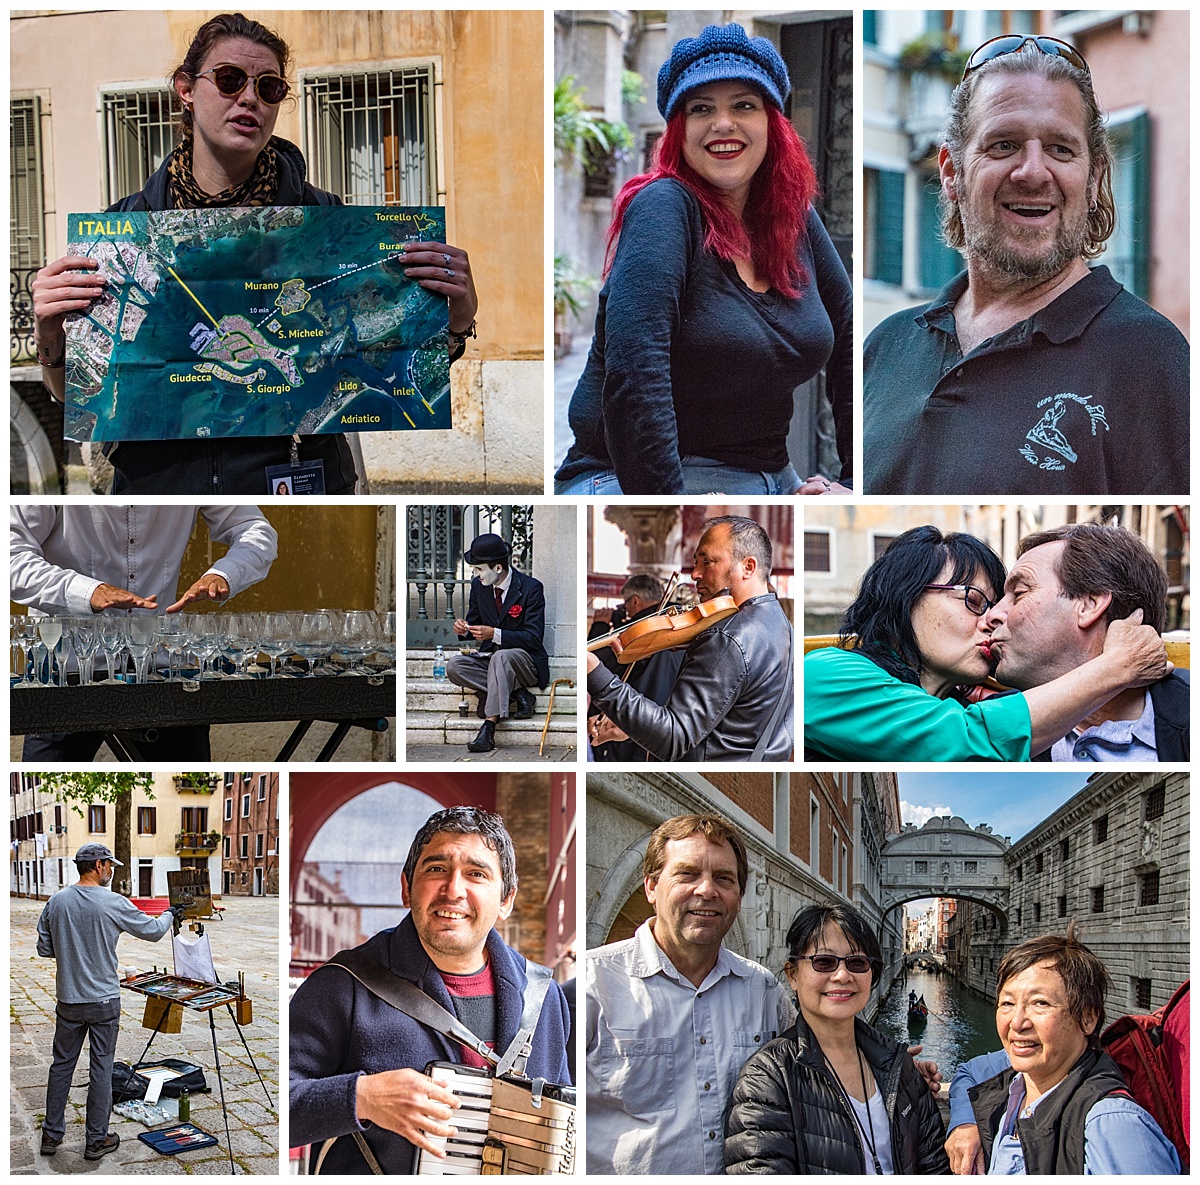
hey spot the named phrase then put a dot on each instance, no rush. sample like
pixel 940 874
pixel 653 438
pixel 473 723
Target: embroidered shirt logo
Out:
pixel 1049 447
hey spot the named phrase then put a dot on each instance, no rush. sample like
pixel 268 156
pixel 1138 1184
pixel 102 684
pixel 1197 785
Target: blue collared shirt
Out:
pixel 1111 740
pixel 663 1055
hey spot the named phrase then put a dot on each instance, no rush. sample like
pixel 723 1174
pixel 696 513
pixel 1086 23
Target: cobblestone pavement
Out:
pixel 247 939
pixel 517 753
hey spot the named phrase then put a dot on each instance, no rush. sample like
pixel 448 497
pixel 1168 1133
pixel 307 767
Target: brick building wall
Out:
pixel 1115 858
pixel 250 835
pixel 523 801
pixel 753 792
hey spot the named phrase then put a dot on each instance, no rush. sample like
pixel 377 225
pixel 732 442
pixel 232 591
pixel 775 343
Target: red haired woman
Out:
pixel 723 293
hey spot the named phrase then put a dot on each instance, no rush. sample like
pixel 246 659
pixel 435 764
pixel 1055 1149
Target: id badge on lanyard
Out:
pixel 296 477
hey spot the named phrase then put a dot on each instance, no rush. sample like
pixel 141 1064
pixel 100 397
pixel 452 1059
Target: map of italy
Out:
pixel 259 321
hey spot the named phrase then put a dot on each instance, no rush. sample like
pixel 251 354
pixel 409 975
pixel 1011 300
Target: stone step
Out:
pixel 434 728
pixel 442 695
pixel 419 664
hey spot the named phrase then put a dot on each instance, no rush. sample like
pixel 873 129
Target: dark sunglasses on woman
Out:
pixel 828 964
pixel 1015 42
pixel 231 81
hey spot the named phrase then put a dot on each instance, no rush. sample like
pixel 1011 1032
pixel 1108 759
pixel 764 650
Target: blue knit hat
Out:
pixel 722 53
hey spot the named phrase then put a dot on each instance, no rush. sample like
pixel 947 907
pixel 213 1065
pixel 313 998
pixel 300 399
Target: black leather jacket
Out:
pixel 726 693
pixel 790 1116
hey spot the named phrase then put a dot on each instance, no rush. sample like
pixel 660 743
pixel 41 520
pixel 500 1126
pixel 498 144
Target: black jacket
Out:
pixel 790 1116
pixel 727 691
pixel 235 465
pixel 1052 1137
pixel 523 621
pixel 1171 698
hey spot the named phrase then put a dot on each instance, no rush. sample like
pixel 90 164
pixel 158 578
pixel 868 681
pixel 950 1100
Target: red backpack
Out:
pixel 1153 1053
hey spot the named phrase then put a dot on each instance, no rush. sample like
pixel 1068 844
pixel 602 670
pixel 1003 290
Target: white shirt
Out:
pixel 663 1055
pixel 59 555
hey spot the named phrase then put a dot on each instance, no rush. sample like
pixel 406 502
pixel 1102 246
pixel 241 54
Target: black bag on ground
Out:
pixel 129 1084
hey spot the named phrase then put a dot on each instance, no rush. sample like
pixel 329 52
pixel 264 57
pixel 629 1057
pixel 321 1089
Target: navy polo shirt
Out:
pixel 1088 396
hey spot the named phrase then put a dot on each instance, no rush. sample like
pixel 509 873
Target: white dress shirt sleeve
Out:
pixel 36 582
pixel 253 544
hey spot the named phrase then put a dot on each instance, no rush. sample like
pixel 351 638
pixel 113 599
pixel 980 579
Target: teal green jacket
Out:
pixel 855 711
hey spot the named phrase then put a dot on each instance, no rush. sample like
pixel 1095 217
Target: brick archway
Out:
pixel 316 796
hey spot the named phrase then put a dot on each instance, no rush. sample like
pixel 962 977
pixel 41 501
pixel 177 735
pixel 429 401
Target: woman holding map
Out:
pixel 722 294
pixel 230 86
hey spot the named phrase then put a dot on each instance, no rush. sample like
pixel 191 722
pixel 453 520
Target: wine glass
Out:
pixel 112 642
pixel 314 639
pixel 173 635
pixel 20 651
pixel 85 637
pixel 204 643
pixel 385 646
pixel 50 633
pixel 359 631
pixel 141 631
pixel 275 637
pixel 29 641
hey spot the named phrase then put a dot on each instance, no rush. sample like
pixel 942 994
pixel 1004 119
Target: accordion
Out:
pixel 504 1125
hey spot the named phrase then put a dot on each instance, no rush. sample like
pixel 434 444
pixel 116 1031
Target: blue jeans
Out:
pixel 701 475
pixel 99 1023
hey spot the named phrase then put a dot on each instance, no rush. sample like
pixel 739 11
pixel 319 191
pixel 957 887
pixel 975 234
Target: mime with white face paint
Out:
pixel 507 614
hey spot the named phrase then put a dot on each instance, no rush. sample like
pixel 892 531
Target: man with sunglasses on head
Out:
pixel 1030 372
pixel 672 1014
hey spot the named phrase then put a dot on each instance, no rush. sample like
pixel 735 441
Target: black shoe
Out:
pixel 110 1143
pixel 525 704
pixel 49 1146
pixel 485 741
pixel 480 700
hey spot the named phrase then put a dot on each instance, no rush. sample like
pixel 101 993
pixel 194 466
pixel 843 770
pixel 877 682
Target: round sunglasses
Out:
pixel 231 81
pixel 1015 42
pixel 828 964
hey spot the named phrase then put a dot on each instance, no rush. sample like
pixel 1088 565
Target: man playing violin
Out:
pixel 733 698
pixel 654 676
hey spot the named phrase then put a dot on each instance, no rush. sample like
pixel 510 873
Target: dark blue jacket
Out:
pixel 340 1030
pixel 523 622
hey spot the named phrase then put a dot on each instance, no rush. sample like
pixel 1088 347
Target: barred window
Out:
pixel 1142 994
pixel 1148 892
pixel 1155 802
pixel 1097 899
pixel 1062 906
pixel 370 136
pixel 138 137
pixel 1037 912
pixel 1100 829
pixel 816 552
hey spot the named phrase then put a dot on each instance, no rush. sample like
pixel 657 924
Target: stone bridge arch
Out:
pixel 946 858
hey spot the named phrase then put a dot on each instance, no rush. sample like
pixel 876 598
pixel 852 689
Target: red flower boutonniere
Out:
pixel 515 610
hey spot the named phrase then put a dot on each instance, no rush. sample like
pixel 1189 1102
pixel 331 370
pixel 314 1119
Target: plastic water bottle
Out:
pixel 439 664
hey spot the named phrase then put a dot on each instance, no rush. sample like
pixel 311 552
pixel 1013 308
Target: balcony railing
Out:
pixel 196 784
pixel 197 841
pixel 21 314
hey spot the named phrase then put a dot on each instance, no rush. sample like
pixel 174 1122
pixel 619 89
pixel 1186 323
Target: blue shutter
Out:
pixel 889 227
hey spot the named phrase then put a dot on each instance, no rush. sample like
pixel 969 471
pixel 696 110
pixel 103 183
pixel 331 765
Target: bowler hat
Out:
pixel 722 53
pixel 96 851
pixel 487 549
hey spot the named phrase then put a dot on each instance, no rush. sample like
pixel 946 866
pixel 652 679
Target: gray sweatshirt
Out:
pixel 79 928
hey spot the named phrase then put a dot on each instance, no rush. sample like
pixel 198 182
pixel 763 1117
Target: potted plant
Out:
pixel 572 289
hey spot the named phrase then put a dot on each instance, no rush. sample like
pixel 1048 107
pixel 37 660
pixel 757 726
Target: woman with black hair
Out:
pixel 229 87
pixel 832 1094
pixel 917 635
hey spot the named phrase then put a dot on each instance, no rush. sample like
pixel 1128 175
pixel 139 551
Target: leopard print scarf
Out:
pixel 261 188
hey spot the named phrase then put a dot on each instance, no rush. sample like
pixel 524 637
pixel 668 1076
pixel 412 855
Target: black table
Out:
pixel 124 713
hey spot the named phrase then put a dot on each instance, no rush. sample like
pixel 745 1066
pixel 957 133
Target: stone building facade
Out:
pixel 803 834
pixel 1115 859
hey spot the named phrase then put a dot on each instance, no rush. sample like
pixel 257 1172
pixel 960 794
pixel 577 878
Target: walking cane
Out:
pixel 549 710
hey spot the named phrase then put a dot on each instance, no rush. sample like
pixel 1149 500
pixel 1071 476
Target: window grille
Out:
pixel 1097 899
pixel 1149 888
pixel 370 136
pixel 816 552
pixel 1155 802
pixel 1100 829
pixel 138 137
pixel 1142 994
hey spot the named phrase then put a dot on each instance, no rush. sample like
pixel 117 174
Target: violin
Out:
pixel 666 631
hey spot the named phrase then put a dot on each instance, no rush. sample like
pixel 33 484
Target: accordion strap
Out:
pixel 406 997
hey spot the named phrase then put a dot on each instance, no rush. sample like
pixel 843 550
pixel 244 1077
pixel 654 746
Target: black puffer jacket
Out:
pixel 789 1116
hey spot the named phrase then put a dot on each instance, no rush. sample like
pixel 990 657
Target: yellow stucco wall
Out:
pixel 490 139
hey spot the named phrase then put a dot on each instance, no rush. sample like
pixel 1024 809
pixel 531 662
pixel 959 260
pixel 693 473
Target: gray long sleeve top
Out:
pixel 79 928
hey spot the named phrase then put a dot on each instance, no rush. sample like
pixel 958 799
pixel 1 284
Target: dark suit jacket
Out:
pixel 1171 698
pixel 522 623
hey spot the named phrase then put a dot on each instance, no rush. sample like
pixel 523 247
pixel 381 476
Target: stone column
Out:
pixel 556 566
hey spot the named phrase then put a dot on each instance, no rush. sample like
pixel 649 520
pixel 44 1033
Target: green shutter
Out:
pixel 889 227
pixel 939 263
pixel 1128 251
pixel 869 34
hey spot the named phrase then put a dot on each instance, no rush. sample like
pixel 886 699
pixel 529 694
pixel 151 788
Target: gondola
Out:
pixel 918 1014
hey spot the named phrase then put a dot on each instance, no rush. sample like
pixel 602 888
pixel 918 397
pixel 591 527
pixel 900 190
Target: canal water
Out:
pixel 959 1027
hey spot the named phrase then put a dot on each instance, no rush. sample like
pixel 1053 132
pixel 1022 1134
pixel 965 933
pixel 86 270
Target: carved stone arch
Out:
pixel 618 885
